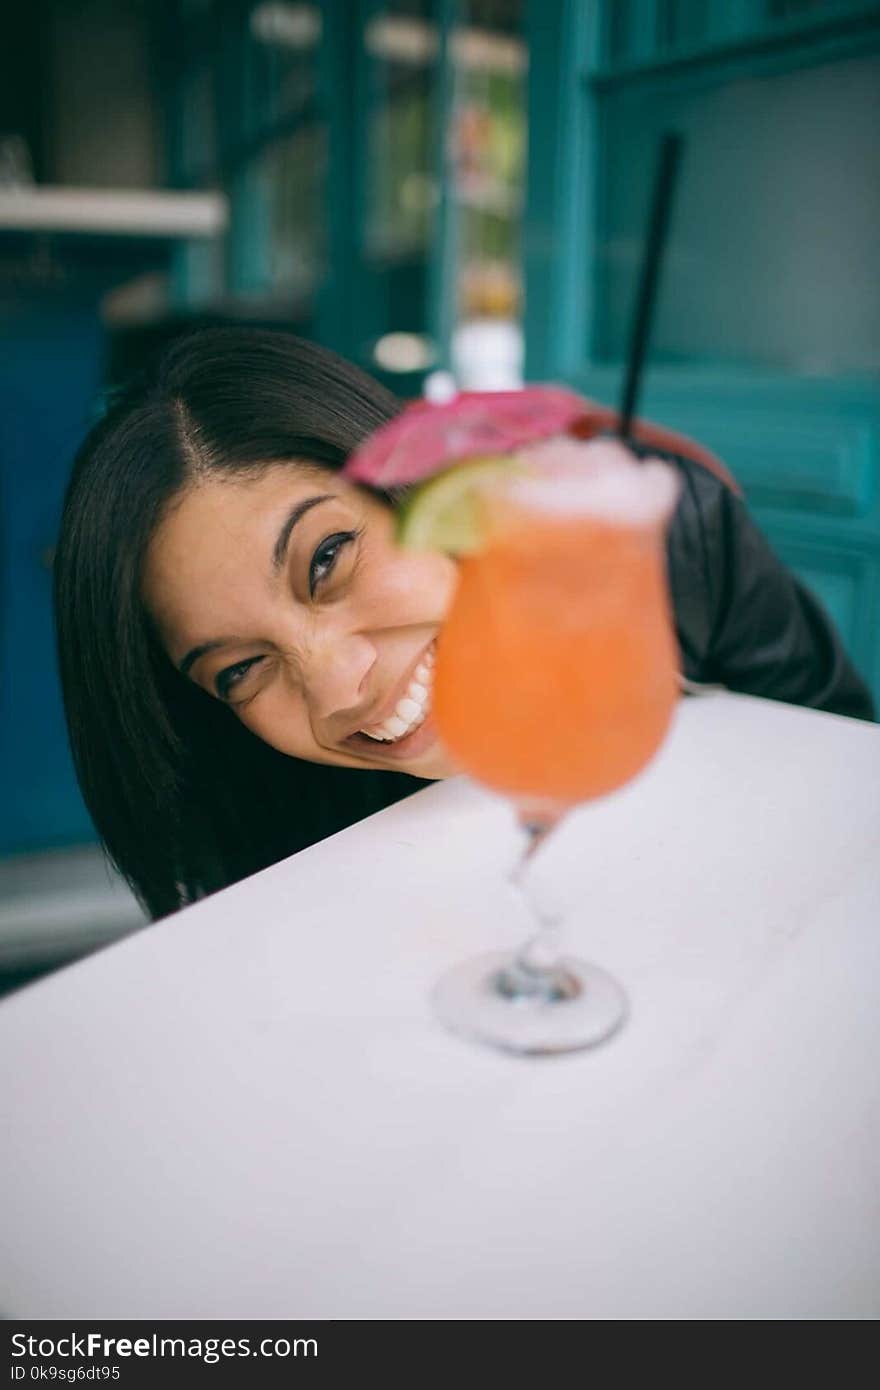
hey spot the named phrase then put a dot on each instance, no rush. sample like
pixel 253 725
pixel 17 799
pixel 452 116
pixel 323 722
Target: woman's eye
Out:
pixel 325 557
pixel 233 675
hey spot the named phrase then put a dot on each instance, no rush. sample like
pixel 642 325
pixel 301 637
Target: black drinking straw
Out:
pixel 661 205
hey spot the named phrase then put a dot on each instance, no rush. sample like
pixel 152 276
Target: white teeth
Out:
pixel 412 709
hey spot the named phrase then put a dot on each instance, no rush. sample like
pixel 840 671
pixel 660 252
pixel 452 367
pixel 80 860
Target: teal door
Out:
pixel 766 345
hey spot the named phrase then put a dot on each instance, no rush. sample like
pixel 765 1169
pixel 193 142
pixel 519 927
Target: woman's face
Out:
pixel 283 594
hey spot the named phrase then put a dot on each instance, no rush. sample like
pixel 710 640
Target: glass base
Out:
pixel 488 1000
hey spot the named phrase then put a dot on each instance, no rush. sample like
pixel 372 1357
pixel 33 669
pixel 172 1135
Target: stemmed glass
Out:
pixel 555 683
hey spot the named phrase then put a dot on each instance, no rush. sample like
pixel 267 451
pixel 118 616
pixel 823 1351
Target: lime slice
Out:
pixel 448 511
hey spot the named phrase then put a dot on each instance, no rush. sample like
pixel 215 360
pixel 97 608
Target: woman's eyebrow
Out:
pixel 279 551
pixel 192 656
pixel 293 516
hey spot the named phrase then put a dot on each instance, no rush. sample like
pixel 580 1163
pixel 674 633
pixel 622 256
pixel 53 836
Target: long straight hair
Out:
pixel 184 798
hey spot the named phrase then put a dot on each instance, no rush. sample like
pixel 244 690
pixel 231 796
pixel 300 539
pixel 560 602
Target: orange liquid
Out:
pixel 557 667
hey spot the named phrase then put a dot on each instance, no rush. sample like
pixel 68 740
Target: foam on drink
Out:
pixel 599 479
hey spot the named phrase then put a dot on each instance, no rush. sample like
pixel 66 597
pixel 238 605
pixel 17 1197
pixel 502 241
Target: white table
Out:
pixel 248 1110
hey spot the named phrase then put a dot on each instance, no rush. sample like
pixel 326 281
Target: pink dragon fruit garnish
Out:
pixel 428 436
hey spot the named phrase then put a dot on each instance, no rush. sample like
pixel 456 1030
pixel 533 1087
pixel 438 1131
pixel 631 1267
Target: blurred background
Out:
pixel 421 185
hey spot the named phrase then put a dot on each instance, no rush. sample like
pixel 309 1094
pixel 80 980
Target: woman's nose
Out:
pixel 336 674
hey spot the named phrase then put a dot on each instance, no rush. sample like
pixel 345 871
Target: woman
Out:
pixel 246 656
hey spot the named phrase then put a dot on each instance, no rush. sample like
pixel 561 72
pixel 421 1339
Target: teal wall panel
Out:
pixel 828 469
pixel 51 347
pixel 767 339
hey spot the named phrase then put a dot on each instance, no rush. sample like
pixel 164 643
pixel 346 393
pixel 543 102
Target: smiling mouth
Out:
pixel 411 710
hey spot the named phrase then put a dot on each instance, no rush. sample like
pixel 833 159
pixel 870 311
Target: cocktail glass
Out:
pixel 555 684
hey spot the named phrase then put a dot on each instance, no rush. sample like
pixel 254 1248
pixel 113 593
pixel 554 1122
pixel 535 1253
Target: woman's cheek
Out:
pixel 275 720
pixel 417 587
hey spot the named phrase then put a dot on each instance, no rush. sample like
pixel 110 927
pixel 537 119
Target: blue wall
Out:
pixel 51 347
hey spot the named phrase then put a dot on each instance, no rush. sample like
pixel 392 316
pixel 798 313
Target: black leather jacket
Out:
pixel 743 620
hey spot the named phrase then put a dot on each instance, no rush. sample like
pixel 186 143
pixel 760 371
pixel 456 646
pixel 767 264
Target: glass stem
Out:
pixel 536 968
